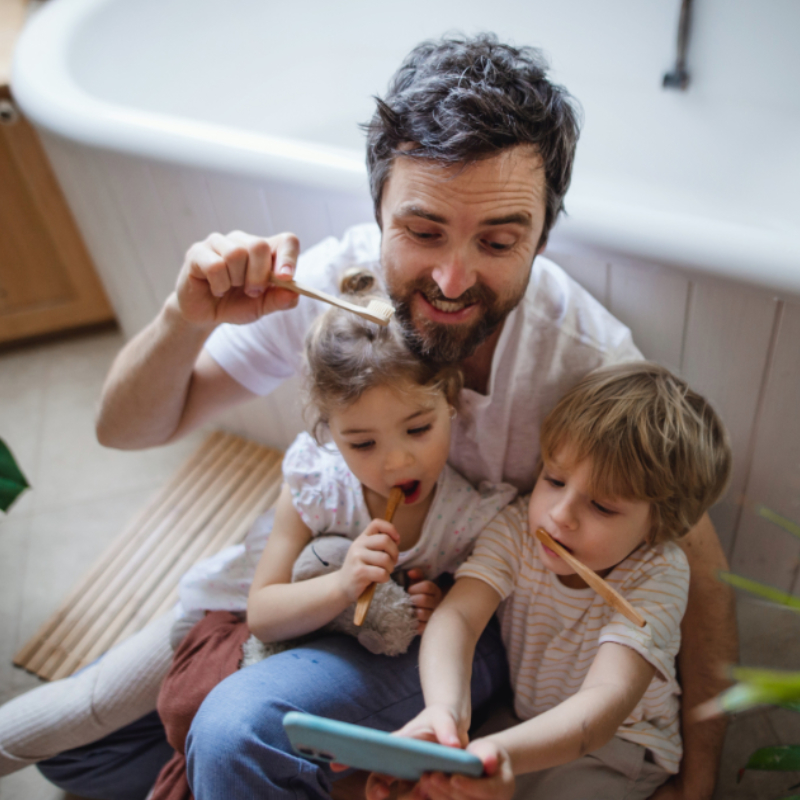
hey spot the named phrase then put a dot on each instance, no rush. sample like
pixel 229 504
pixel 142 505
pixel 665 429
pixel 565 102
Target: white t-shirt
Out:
pixel 552 632
pixel 329 499
pixel 555 336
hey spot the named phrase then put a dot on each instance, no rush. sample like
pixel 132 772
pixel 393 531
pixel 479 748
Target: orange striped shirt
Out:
pixel 552 633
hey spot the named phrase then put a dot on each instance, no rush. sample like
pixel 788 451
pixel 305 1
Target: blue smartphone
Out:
pixel 326 740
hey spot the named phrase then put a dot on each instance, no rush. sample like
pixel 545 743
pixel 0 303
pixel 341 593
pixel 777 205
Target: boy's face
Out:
pixel 598 531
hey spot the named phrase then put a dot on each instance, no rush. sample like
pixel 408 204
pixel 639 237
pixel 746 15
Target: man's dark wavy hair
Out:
pixel 458 100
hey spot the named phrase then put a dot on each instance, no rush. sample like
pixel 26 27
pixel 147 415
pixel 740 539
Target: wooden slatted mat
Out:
pixel 209 504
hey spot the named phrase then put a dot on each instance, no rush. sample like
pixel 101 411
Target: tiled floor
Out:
pixel 83 495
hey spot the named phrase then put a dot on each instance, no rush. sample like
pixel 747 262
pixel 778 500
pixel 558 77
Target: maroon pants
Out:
pixel 211 651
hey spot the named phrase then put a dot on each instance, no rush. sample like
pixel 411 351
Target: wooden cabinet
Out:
pixel 47 280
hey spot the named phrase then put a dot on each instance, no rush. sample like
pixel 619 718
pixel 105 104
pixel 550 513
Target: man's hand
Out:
pixel 497 782
pixel 227 278
pixel 425 597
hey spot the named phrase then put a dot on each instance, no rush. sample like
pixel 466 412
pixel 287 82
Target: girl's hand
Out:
pixel 370 559
pixel 425 596
pixel 497 782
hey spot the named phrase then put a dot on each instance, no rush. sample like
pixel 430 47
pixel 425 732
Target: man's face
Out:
pixel 457 247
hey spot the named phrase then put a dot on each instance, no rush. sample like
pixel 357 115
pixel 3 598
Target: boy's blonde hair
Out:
pixel 345 355
pixel 650 437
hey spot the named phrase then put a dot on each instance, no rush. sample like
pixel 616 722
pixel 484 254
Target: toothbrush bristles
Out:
pixel 382 311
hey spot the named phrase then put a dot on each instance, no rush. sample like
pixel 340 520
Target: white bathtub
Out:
pixel 167 119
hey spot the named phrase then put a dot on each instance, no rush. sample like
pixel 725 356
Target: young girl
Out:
pixel 379 418
pixel 632 458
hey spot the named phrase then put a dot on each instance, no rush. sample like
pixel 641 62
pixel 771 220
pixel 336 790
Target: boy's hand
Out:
pixel 227 278
pixel 425 596
pixel 370 559
pixel 438 723
pixel 496 784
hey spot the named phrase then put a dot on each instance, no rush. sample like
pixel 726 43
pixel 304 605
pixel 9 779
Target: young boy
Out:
pixel 631 460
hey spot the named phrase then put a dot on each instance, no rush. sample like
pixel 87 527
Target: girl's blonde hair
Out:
pixel 346 355
pixel 650 437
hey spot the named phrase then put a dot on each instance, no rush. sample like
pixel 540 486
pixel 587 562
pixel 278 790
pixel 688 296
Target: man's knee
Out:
pixel 229 721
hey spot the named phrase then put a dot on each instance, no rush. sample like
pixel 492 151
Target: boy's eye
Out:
pixel 362 445
pixel 420 430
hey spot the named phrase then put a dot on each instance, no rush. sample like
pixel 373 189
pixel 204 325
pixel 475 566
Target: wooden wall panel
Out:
pixel 728 335
pixel 192 216
pixel 147 219
pixel 239 205
pixel 302 212
pixel 652 302
pixel 590 269
pixel 104 231
pixel 762 550
pixel 345 212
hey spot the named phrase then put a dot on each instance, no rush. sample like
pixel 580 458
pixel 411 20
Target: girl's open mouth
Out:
pixel 410 490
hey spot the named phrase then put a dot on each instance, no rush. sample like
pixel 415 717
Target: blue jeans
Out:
pixel 237 748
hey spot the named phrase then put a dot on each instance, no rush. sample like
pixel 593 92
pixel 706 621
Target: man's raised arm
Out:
pixel 162 384
pixel 709 642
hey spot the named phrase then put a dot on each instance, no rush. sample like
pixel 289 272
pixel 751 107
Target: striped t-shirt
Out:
pixel 552 633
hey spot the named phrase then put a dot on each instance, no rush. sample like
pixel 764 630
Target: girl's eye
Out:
pixel 603 509
pixel 420 430
pixel 554 482
pixel 361 445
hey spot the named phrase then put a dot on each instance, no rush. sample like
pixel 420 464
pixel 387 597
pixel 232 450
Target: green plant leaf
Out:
pixel 783 758
pixel 757 687
pixel 12 481
pixel 777 596
pixel 782 522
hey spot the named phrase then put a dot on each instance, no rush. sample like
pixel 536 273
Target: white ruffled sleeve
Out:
pixel 325 493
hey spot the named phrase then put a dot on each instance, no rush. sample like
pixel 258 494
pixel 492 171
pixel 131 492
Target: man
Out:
pixel 469 155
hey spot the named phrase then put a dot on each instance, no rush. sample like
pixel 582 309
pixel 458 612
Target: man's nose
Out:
pixel 454 274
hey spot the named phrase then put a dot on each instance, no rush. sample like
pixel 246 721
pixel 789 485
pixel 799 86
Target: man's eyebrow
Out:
pixel 412 210
pixel 517 218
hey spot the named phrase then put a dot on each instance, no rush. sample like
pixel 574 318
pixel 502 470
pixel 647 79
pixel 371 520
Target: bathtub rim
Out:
pixel 43 87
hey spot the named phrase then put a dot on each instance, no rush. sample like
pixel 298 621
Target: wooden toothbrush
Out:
pixel 377 310
pixel 362 605
pixel 608 593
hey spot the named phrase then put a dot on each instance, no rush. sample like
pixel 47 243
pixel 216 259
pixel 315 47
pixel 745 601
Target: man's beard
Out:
pixel 450 344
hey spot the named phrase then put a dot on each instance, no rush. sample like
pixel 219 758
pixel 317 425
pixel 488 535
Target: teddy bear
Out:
pixel 389 627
